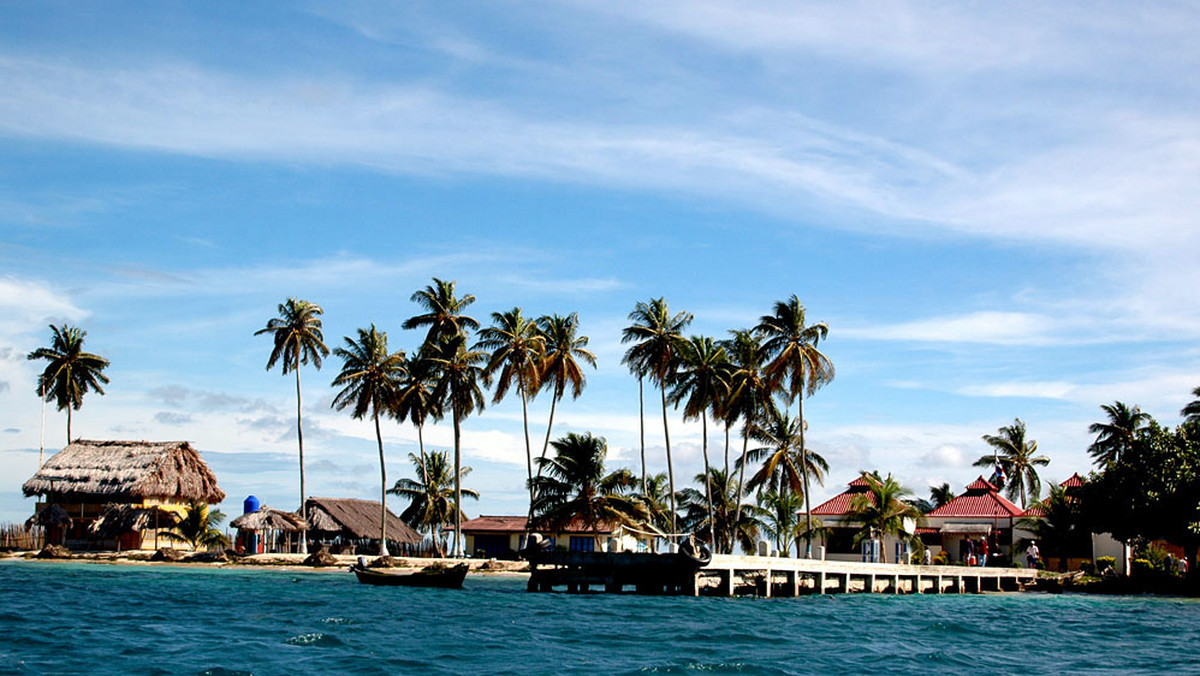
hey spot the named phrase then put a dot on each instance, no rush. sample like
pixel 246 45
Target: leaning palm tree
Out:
pixel 797 367
pixel 784 469
pixel 371 378
pixel 443 313
pixel 198 527
pixel 559 366
pixel 573 487
pixel 657 338
pixel 881 511
pixel 1115 437
pixel 1017 457
pixel 748 397
pixel 70 372
pixel 701 384
pixel 1191 412
pixel 459 375
pixel 431 501
pixel 516 348
pixel 298 340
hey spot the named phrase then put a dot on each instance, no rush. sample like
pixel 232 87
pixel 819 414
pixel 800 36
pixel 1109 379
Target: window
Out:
pixel 581 543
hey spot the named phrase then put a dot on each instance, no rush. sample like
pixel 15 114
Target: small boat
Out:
pixel 443 577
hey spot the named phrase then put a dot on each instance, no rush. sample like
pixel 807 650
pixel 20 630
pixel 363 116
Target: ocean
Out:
pixel 72 618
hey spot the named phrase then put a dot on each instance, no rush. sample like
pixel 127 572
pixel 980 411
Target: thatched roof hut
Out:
pixel 266 518
pixel 125 471
pixel 354 519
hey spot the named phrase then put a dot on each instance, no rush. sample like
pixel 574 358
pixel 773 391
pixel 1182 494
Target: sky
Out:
pixel 993 206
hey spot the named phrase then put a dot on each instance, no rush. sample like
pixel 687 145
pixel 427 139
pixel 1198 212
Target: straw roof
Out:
pixel 126 470
pixel 49 515
pixel 356 519
pixel 120 519
pixel 269 519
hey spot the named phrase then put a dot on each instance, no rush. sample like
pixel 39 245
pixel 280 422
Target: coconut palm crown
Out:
pixel 573 486
pixel 881 511
pixel 70 372
pixel 1018 458
pixel 431 501
pixel 1191 412
pixel 297 340
pixel 1115 436
pixel 443 313
pixel 701 385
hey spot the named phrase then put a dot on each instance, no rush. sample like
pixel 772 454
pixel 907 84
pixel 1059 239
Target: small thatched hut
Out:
pixel 350 524
pixel 88 478
pixel 267 530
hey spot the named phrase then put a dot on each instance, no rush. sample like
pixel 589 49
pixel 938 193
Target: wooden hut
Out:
pixel 350 525
pixel 89 478
pixel 267 530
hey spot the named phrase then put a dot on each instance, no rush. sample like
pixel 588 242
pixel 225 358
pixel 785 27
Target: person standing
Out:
pixel 1033 555
pixel 983 551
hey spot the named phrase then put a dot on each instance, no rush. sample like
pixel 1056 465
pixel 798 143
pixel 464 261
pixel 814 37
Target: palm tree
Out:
pixel 749 397
pixel 797 367
pixel 783 468
pixel 735 523
pixel 882 511
pixel 516 348
pixel 701 384
pixel 1115 437
pixel 658 340
pixel 198 527
pixel 298 340
pixel 70 372
pixel 1016 456
pixel 459 374
pixel 1191 412
pixel 940 495
pixel 443 313
pixel 1059 528
pixel 415 401
pixel 781 522
pixel 559 368
pixel 371 378
pixel 431 495
pixel 576 488
pixel 656 504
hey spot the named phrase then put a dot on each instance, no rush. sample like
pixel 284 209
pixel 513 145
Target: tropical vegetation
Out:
pixel 197 528
pixel 431 496
pixel 881 511
pixel 70 372
pixel 575 488
pixel 1019 460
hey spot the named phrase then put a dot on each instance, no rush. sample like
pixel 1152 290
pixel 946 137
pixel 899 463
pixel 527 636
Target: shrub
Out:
pixel 1088 568
pixel 1105 562
pixel 941 559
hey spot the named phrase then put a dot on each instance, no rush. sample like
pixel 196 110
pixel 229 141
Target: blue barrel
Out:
pixel 250 504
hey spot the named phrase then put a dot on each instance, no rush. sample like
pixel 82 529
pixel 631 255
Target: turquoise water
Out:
pixel 64 618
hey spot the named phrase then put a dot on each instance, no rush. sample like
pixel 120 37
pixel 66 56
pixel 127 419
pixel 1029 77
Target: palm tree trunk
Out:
pixel 727 450
pixel 737 519
pixel 300 442
pixel 712 518
pixel 804 471
pixel 68 423
pixel 642 429
pixel 549 427
pixel 670 465
pixel 383 550
pixel 528 448
pixel 458 547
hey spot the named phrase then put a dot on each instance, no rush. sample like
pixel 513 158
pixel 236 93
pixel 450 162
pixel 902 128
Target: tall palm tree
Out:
pixel 1017 457
pixel 443 313
pixel 516 348
pixel 783 468
pixel 1115 437
pixel 881 511
pixel 749 396
pixel 797 367
pixel 657 338
pixel 298 340
pixel 940 495
pixel 573 486
pixel 198 527
pixel 559 368
pixel 1191 412
pixel 370 379
pixel 431 501
pixel 459 375
pixel 734 524
pixel 415 401
pixel 701 384
pixel 70 372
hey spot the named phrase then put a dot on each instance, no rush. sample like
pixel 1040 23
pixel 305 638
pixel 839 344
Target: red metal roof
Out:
pixel 1074 482
pixel 516 524
pixel 839 504
pixel 980 500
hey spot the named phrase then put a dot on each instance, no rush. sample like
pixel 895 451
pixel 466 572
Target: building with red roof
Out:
pixel 501 537
pixel 837 516
pixel 980 513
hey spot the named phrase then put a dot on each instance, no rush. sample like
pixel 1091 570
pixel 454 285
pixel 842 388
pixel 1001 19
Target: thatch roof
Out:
pixel 356 519
pixel 120 519
pixel 126 470
pixel 49 515
pixel 269 519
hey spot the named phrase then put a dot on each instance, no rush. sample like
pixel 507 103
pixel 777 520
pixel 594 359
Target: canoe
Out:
pixel 430 576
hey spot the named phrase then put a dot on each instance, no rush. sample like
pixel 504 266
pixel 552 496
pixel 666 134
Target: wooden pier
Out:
pixel 728 575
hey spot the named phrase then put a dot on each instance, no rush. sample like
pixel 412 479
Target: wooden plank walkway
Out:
pixel 730 575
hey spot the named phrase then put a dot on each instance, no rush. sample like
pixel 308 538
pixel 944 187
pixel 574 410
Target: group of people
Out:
pixel 974 552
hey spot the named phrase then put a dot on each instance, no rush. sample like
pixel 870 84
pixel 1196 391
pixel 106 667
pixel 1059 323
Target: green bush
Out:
pixel 1105 562
pixel 1088 568
pixel 941 559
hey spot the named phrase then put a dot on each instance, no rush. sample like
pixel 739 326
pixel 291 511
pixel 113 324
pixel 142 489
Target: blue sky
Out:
pixel 992 206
